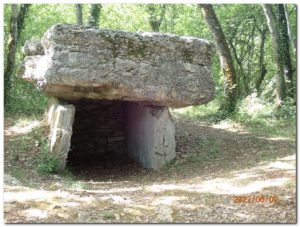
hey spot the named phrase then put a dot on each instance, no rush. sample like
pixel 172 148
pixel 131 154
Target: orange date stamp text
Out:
pixel 256 199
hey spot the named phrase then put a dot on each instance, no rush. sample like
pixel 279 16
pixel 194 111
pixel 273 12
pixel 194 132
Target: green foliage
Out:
pixel 208 151
pixel 240 23
pixel 25 99
pixel 290 184
pixel 94 14
pixel 18 173
pixel 31 147
pixel 107 214
pixel 287 111
pixel 47 163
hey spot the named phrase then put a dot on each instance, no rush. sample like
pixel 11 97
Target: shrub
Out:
pixel 47 163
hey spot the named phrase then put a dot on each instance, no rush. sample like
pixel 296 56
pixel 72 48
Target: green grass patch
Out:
pixel 290 184
pixel 47 163
pixel 107 214
pixel 209 150
pixel 18 173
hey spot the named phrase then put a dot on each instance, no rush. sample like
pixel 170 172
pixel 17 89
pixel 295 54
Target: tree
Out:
pixel 78 9
pixel 262 67
pixel 16 25
pixel 95 15
pixel 224 55
pixel 156 15
pixel 285 48
pixel 291 38
pixel 12 46
pixel 275 37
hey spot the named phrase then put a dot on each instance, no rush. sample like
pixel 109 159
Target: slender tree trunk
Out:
pixel 24 8
pixel 275 37
pixel 12 46
pixel 239 69
pixel 225 57
pixel 285 48
pixel 156 15
pixel 262 67
pixel 17 20
pixel 94 19
pixel 250 47
pixel 78 9
pixel 291 37
pixel 173 15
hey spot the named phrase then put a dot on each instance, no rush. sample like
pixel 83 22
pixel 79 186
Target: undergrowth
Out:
pixel 253 112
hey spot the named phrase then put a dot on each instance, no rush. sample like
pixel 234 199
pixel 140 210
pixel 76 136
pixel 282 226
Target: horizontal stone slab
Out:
pixel 84 62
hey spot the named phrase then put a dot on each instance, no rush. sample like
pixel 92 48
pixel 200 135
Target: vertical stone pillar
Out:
pixel 150 135
pixel 60 118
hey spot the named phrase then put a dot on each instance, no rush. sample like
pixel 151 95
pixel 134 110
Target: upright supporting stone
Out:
pixel 61 118
pixel 151 135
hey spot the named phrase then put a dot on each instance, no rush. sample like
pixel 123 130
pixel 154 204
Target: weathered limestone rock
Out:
pixel 84 62
pixel 150 135
pixel 60 118
pixel 33 47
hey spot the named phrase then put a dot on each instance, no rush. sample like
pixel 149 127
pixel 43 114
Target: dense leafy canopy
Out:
pixel 242 24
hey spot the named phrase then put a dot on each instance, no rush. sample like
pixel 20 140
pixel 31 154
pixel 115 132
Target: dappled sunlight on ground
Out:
pixel 215 163
pixel 278 138
pixel 252 181
pixel 228 126
pixel 181 195
pixel 22 127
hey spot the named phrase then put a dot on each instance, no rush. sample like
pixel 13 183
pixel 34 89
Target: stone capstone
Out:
pixel 85 62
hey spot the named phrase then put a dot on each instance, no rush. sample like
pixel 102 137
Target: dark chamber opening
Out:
pixel 99 137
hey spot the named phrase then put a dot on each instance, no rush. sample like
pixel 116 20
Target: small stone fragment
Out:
pixel 164 213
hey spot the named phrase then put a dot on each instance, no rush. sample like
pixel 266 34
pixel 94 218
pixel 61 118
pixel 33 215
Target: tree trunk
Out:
pixel 250 50
pixel 275 37
pixel 173 16
pixel 225 57
pixel 95 15
pixel 17 20
pixel 262 67
pixel 78 9
pixel 285 48
pixel 156 16
pixel 21 18
pixel 239 69
pixel 291 37
pixel 12 46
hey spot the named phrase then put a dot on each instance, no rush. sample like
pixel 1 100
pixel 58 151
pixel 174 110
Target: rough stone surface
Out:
pixel 164 213
pixel 150 135
pixel 84 62
pixel 33 47
pixel 99 127
pixel 60 117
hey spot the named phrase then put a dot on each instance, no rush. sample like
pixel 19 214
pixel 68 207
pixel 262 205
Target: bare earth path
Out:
pixel 215 163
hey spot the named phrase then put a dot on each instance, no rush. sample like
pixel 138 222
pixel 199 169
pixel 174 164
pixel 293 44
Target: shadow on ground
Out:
pixel 214 164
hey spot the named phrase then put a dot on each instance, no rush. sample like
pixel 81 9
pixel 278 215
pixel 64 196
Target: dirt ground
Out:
pixel 216 164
